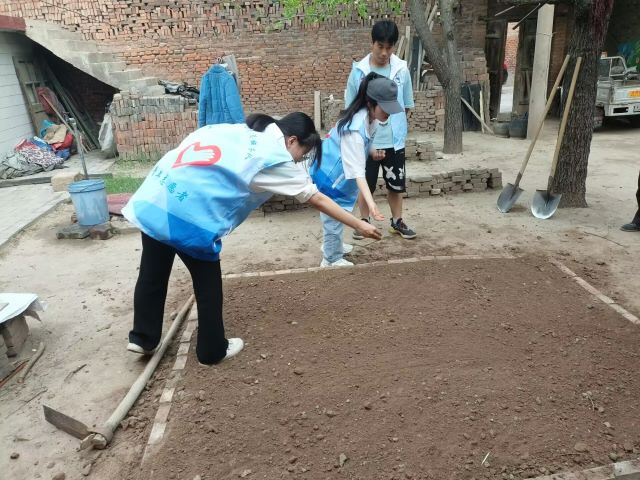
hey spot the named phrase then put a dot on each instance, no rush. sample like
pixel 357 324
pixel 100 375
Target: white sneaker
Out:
pixel 132 347
pixel 338 263
pixel 346 248
pixel 235 346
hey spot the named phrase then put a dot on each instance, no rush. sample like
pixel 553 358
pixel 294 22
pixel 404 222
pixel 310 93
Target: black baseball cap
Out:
pixel 385 92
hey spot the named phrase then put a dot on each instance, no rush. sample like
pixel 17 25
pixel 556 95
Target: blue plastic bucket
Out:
pixel 89 198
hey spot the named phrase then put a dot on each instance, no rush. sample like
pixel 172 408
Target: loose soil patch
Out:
pixel 409 371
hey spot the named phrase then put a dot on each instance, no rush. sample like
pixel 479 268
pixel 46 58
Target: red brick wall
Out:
pixel 511 48
pixel 281 62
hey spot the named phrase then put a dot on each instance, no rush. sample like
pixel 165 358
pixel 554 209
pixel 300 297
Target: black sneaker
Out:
pixel 357 235
pixel 628 227
pixel 401 229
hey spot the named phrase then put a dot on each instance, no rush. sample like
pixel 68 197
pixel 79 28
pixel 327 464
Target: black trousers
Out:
pixel 151 293
pixel 636 219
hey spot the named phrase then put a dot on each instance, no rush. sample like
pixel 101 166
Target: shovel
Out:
pixel 545 203
pixel 511 192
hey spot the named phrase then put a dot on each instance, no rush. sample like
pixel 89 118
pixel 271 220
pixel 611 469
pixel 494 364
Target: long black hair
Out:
pixel 361 101
pixel 296 124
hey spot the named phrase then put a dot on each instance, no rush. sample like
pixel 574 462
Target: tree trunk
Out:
pixel 591 18
pixel 448 71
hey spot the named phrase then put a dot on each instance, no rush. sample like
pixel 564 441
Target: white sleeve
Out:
pixel 354 158
pixel 290 179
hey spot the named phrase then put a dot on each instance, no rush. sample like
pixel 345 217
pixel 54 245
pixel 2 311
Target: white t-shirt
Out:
pixel 352 151
pixel 290 179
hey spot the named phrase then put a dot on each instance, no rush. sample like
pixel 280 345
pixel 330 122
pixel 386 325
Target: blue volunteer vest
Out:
pixel 200 191
pixel 329 178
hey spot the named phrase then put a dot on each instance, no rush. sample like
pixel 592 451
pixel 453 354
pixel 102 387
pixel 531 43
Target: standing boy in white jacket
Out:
pixel 390 136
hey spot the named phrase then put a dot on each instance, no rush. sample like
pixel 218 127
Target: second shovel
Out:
pixel 545 203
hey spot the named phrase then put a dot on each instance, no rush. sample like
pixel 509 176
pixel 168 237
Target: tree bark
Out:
pixel 446 64
pixel 591 18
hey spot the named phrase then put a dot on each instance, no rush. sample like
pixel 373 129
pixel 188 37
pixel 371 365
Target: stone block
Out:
pixel 74 231
pixel 457 178
pixel 14 332
pixel 467 187
pixel 426 178
pixel 60 181
pixel 435 191
pixel 104 231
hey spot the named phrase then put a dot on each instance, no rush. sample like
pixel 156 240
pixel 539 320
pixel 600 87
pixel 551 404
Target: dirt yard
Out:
pixel 410 371
pixel 88 286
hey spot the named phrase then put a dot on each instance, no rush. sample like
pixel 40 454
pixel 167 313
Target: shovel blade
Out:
pixel 545 204
pixel 508 197
pixel 65 423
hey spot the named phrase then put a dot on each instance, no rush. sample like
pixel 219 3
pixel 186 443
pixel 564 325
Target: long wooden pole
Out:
pixel 99 438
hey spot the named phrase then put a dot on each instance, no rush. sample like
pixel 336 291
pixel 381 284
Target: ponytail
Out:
pixel 296 124
pixel 361 101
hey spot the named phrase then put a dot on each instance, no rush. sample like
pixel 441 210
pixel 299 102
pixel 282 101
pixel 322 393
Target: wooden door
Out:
pixel 494 48
pixel 30 78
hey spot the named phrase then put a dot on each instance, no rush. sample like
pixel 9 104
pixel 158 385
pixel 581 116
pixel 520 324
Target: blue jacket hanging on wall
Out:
pixel 219 98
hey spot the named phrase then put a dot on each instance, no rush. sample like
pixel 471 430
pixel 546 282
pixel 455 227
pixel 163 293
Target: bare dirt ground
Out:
pixel 421 378
pixel 100 276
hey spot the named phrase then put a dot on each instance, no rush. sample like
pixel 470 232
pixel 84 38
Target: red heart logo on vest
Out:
pixel 197 156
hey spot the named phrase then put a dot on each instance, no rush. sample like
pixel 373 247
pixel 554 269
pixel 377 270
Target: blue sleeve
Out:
pixel 408 90
pixel 203 100
pixel 234 103
pixel 352 88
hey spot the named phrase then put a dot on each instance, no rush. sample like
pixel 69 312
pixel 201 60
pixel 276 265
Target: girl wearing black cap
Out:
pixel 341 174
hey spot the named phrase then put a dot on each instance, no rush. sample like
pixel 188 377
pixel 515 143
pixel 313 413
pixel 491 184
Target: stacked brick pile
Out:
pixel 455 181
pixel 420 151
pixel 474 67
pixel 148 127
pixel 428 114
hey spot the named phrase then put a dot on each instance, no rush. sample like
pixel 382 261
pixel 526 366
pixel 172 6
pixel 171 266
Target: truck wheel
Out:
pixel 598 119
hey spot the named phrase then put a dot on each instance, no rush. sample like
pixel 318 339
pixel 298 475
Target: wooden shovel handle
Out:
pixel 547 107
pixel 563 124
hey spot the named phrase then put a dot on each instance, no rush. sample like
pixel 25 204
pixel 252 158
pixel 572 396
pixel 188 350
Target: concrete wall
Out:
pixel 15 123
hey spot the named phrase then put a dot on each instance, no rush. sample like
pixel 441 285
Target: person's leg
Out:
pixel 634 226
pixel 332 238
pixel 211 346
pixel 151 292
pixel 394 174
pixel 636 218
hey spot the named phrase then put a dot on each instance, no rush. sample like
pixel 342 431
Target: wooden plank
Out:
pixel 409 46
pixel 475 114
pixel 317 112
pixel 400 49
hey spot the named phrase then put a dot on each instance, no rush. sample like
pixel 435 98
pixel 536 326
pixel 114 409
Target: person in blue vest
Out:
pixel 198 193
pixel 390 135
pixel 341 174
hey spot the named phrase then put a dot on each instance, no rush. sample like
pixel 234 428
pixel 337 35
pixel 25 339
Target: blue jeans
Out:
pixel 332 238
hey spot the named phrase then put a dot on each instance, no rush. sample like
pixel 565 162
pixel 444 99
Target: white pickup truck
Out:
pixel 618 92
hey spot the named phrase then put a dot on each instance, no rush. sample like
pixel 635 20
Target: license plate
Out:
pixel 636 108
pixel 634 93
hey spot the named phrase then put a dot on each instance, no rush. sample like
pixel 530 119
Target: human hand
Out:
pixel 370 231
pixel 377 155
pixel 375 213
